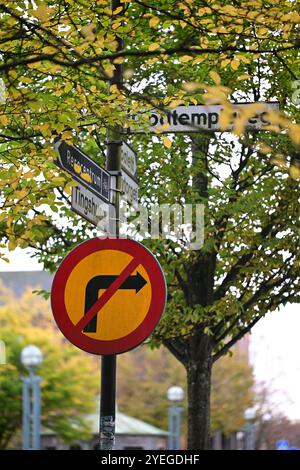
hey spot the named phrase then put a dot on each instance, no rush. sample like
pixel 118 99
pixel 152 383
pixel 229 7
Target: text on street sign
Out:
pixel 83 169
pixel 201 117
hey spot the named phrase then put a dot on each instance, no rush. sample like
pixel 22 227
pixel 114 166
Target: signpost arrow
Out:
pixel 89 206
pixel 97 283
pixel 204 118
pixel 128 159
pixel 129 188
pixel 83 169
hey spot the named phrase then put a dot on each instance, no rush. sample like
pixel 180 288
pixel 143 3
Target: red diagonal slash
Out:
pixel 107 294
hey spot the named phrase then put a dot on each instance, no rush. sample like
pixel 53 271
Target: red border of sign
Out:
pixel 137 336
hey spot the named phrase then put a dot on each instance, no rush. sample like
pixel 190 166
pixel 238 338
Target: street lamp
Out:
pixel 266 418
pixel 249 415
pixel 175 394
pixel 31 357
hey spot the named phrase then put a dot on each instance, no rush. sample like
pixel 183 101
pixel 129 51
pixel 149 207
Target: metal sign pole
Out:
pixel 26 413
pixel 109 363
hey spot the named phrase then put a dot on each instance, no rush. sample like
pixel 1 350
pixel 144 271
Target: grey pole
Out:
pixel 178 411
pixel 26 413
pixel 109 363
pixel 171 428
pixel 36 413
pixel 250 436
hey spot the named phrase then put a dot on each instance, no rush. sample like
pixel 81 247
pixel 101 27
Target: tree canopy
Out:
pixel 69 384
pixel 58 60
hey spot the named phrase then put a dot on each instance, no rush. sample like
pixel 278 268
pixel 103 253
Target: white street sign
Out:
pixel 89 206
pixel 200 117
pixel 130 188
pixel 128 159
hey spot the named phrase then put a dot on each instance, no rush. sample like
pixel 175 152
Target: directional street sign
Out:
pixel 83 169
pixel 282 444
pixel 88 205
pixel 129 188
pixel 201 117
pixel 128 159
pixel 108 295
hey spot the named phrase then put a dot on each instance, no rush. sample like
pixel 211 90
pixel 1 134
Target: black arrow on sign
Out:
pixel 97 283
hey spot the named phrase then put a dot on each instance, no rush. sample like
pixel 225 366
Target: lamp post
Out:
pixel 266 418
pixel 31 357
pixel 175 394
pixel 249 415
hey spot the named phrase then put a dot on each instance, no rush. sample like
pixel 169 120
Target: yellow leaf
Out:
pixel 279 160
pixel 264 148
pixel 58 180
pixel 176 103
pixel 86 177
pixel 154 46
pixel 192 86
pixel 215 77
pixel 69 186
pixel 77 168
pixel 167 143
pixel 185 58
pixel 162 128
pixel 4 120
pixel 295 172
pixel 154 21
pixel 198 60
pixel 29 175
pixel 243 77
pixel 21 194
pixel 114 89
pixel 224 63
pixel 27 117
pixel 119 60
pixel 109 70
pixel 230 10
pixel 226 117
pixel 117 10
pixel 235 64
pixel 244 59
pixel 116 24
pixel 295 133
pixel 87 32
pixel 49 50
pixel 11 245
pixel 42 13
pixel 239 29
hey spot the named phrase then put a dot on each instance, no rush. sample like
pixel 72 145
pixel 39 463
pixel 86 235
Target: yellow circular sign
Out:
pixel 108 295
pixel 124 311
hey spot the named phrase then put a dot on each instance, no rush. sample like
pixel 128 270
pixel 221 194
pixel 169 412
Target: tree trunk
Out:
pixel 199 370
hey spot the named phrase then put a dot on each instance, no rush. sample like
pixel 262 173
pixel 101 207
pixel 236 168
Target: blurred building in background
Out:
pixel 131 433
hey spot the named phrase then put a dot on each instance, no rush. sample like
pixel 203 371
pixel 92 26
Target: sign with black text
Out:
pixel 203 118
pixel 128 159
pixel 88 205
pixel 129 188
pixel 83 169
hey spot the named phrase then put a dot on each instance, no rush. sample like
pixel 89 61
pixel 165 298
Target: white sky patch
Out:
pixel 275 355
pixel 20 260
